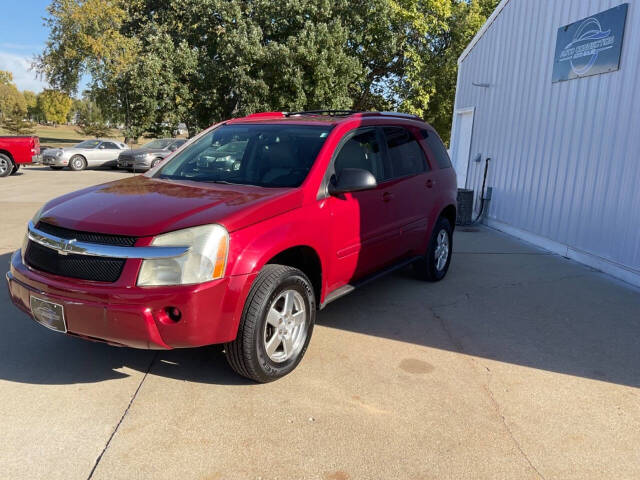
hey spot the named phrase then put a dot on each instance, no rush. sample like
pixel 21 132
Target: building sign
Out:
pixel 590 46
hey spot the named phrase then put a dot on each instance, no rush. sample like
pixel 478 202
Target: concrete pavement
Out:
pixel 520 364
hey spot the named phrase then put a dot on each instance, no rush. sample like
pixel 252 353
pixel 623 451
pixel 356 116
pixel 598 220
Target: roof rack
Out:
pixel 330 113
pixel 390 114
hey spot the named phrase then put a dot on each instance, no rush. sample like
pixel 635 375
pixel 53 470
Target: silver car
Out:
pixel 150 154
pixel 90 153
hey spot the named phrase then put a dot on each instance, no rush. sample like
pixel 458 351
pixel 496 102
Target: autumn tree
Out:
pixel 54 105
pixel 13 107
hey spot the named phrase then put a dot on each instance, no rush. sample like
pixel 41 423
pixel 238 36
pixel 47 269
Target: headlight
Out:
pixel 59 153
pixel 205 261
pixel 141 156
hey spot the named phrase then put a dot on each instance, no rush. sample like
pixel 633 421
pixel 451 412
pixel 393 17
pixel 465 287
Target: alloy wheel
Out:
pixel 442 250
pixel 285 329
pixel 4 166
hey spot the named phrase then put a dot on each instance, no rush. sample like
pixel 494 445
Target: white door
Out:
pixel 461 143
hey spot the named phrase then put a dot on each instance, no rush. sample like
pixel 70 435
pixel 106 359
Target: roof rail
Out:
pixel 390 114
pixel 330 113
pixel 267 115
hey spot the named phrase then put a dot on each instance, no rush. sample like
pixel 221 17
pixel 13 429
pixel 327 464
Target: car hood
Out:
pixel 143 206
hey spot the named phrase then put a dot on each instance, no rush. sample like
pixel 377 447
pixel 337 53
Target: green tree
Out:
pixel 54 105
pixel 90 120
pixel 153 64
pixel 31 101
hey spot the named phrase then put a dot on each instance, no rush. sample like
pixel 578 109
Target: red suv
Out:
pixel 242 235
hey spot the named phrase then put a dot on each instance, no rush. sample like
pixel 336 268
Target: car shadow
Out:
pixel 33 354
pixel 558 316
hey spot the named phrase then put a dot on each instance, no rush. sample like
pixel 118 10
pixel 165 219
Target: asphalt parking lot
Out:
pixel 520 364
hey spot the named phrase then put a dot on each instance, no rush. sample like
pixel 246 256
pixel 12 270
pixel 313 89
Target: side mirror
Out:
pixel 352 180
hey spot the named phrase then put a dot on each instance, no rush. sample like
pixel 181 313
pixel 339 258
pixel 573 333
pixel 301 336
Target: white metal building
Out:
pixel 565 155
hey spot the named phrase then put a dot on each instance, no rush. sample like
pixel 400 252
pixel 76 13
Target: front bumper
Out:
pixel 133 316
pixel 137 164
pixel 55 161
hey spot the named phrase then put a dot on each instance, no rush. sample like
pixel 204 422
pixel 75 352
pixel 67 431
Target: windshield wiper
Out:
pixel 224 182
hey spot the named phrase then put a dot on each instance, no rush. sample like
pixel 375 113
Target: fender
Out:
pixel 252 247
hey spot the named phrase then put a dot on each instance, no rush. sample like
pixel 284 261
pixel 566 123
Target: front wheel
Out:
pixel 77 163
pixel 155 163
pixel 16 167
pixel 435 264
pixel 276 325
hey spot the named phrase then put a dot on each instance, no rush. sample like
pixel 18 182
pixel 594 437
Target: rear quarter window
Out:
pixel 437 148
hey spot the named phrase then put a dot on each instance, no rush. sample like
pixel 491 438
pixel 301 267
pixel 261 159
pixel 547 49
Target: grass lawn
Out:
pixel 67 136
pixel 62 135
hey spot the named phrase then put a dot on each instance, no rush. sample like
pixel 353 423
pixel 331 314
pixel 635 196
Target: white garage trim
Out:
pixel 484 28
pixel 455 133
pixel 599 263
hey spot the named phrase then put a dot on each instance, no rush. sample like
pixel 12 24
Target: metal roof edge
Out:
pixel 482 30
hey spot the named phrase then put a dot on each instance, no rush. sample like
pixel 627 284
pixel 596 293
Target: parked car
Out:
pixel 90 153
pixel 17 151
pixel 245 251
pixel 149 155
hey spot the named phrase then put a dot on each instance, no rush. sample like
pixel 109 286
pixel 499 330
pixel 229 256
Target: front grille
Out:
pixel 99 269
pixel 103 238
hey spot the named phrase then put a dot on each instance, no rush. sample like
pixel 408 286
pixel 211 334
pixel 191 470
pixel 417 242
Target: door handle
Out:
pixel 387 196
pixel 430 183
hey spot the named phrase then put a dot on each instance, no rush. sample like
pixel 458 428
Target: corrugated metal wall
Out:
pixel 566 156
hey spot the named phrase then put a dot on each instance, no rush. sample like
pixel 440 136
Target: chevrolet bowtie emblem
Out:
pixel 67 247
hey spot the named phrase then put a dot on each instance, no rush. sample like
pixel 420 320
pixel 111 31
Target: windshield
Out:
pixel 158 144
pixel 88 144
pixel 262 155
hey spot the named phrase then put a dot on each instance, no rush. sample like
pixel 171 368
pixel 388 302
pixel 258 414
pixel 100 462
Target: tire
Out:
pixel 77 163
pixel 265 313
pixel 155 163
pixel 16 167
pixel 435 264
pixel 53 167
pixel 6 166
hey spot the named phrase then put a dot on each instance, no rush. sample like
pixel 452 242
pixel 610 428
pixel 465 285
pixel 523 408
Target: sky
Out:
pixel 22 36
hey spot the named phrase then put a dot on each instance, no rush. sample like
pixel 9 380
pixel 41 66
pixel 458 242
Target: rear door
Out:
pixel 362 223
pixel 412 186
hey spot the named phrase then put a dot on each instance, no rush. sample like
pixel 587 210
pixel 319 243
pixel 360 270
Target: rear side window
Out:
pixel 437 148
pixel 405 154
pixel 110 146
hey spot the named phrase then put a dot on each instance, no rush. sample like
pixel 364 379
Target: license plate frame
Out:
pixel 48 314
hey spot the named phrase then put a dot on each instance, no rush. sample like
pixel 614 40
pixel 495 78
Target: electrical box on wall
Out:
pixel 488 192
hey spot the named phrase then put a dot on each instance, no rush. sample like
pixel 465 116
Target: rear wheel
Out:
pixel 16 167
pixel 77 163
pixel 6 166
pixel 276 325
pixel 435 264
